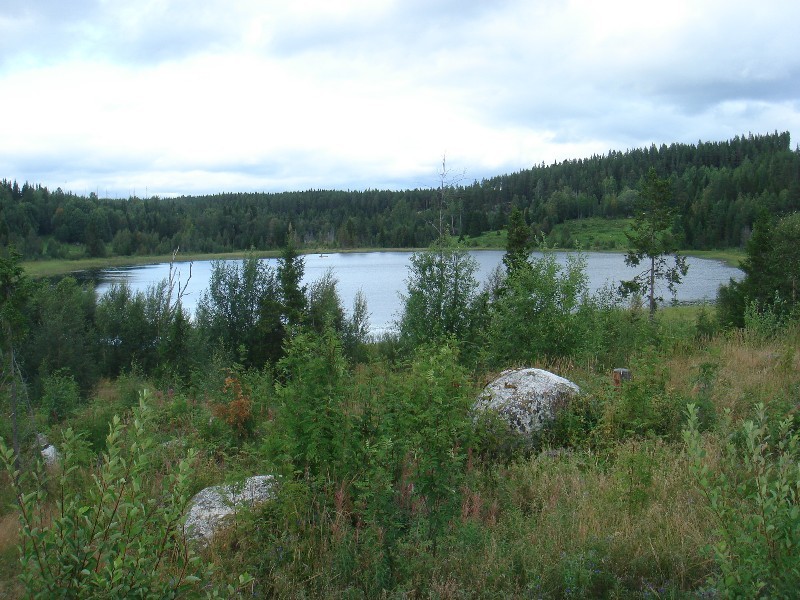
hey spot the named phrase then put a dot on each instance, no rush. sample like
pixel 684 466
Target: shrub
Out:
pixel 237 408
pixel 542 311
pixel 645 406
pixel 441 300
pixel 312 419
pixel 754 496
pixel 115 539
pixel 60 394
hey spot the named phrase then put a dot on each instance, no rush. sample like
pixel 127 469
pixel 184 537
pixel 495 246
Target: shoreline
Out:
pixel 52 268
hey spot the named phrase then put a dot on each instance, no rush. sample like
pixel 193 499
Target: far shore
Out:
pixel 55 267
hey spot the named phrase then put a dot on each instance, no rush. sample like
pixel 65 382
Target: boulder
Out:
pixel 50 454
pixel 526 398
pixel 210 507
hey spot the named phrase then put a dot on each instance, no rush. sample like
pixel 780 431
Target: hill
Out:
pixel 721 189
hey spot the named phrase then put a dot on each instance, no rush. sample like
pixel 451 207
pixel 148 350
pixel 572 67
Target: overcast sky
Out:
pixel 186 96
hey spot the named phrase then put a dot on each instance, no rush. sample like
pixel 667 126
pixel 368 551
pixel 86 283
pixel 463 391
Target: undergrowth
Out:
pixel 389 489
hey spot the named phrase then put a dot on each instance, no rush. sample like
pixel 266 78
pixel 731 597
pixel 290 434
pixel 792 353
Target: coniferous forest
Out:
pixel 720 189
pixel 681 482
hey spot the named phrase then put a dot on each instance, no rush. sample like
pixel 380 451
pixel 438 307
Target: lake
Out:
pixel 381 276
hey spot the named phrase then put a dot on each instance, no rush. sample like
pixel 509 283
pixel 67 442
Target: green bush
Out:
pixel 312 419
pixel 115 539
pixel 91 423
pixel 754 497
pixel 543 311
pixel 441 299
pixel 60 395
pixel 642 407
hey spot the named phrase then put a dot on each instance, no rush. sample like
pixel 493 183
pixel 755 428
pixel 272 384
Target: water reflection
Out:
pixel 381 276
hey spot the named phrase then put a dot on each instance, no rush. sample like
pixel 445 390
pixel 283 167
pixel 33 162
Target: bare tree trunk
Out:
pixel 14 423
pixel 652 292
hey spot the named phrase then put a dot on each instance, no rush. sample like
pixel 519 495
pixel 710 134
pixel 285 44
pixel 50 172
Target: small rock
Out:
pixel 51 456
pixel 210 507
pixel 526 398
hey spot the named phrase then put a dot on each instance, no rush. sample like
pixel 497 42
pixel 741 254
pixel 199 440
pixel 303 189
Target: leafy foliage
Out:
pixel 518 241
pixel 240 310
pixel 60 395
pixel 754 496
pixel 292 293
pixel 542 312
pixel 313 421
pixel 15 289
pixel 115 539
pixel 441 298
pixel 324 304
pixel 63 334
pixel 771 287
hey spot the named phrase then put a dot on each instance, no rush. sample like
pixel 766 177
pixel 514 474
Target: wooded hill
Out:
pixel 721 189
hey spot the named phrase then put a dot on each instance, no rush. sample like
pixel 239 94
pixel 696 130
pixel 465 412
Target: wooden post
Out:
pixel 621 375
pixel 14 423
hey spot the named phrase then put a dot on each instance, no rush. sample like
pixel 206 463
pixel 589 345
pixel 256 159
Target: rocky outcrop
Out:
pixel 210 507
pixel 526 398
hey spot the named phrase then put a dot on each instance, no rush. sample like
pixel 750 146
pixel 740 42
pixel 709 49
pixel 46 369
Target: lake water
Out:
pixel 381 276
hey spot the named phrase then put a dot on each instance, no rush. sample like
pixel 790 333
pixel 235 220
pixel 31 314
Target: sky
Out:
pixel 174 97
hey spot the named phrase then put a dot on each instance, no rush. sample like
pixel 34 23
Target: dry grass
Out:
pixel 9 532
pixel 747 371
pixel 593 507
pixel 564 514
pixel 9 563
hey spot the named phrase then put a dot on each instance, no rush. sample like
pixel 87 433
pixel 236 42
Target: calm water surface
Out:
pixel 381 276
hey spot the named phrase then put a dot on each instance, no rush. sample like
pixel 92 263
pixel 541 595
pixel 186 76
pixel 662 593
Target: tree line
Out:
pixel 720 188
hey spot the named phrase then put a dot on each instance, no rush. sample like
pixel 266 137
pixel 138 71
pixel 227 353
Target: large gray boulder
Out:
pixel 526 398
pixel 210 507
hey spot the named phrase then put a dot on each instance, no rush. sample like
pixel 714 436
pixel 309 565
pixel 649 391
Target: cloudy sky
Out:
pixel 185 96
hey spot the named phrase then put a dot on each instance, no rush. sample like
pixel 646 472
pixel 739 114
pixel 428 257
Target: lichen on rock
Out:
pixel 210 507
pixel 526 398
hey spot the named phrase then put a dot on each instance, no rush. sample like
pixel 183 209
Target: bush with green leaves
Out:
pixel 442 297
pixel 312 420
pixel 430 427
pixel 765 322
pixel 753 494
pixel 542 311
pixel 60 394
pixel 645 406
pixel 62 335
pixel 377 463
pixel 241 310
pixel 772 275
pixel 120 537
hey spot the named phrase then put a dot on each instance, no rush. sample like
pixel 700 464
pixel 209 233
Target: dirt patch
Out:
pixel 9 531
pixel 9 559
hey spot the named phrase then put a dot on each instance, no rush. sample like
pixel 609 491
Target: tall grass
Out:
pixel 606 505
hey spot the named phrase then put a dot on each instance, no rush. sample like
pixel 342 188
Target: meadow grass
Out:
pixel 613 514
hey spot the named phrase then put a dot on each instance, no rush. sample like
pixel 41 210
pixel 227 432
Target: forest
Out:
pixel 680 483
pixel 720 188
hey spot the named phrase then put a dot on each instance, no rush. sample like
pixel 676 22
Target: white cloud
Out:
pixel 183 97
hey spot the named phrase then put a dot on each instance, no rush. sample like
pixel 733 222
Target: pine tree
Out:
pixel 653 241
pixel 291 267
pixel 518 242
